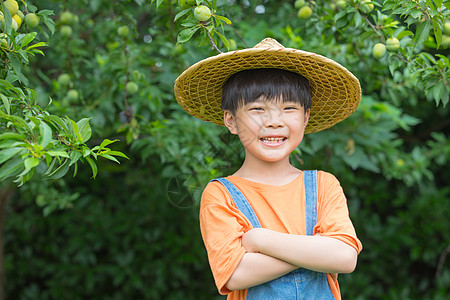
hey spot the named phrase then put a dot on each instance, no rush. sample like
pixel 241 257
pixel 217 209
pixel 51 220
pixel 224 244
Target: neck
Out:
pixel 274 173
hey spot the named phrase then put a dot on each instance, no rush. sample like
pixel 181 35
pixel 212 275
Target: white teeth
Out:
pixel 272 139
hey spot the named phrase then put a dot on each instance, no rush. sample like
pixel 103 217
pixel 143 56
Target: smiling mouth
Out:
pixel 273 140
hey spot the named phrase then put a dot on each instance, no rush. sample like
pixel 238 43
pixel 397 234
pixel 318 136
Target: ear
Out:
pixel 230 121
pixel 307 117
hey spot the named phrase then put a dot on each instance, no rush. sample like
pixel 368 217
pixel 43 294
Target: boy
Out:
pixel 272 231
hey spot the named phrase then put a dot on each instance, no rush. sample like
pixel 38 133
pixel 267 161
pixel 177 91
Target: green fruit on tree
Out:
pixel 299 3
pixel 64 79
pixel 447 27
pixel 14 25
pixel 183 4
pixel 32 20
pixel 305 12
pixel 392 44
pixel 18 20
pixel 12 6
pixel 66 17
pixel 3 40
pixel 132 87
pixel 136 75
pixel 75 19
pixel 2 17
pixel 66 31
pixel 341 3
pixel 179 49
pixel 365 6
pixel 430 43
pixel 123 31
pixel 202 13
pixel 72 95
pixel 20 14
pixel 379 50
pixel 445 41
pixel 233 45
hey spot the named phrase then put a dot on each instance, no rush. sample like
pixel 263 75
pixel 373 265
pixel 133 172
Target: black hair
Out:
pixel 273 84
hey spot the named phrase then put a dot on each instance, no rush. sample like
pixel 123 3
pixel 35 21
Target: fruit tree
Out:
pixel 132 233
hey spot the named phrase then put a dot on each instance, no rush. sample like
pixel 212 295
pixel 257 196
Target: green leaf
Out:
pixel 75 129
pixel 223 19
pixel 37 51
pixel 61 170
pixel 158 3
pixel 28 38
pixel 15 63
pixel 57 122
pixel 186 34
pixel 7 84
pixel 110 158
pixel 40 44
pixel 93 166
pixel 416 13
pixel 6 103
pixel 75 169
pixel 437 91
pixel 12 135
pixel 404 34
pixel 422 33
pixel 224 39
pixel 106 142
pixel 181 13
pixel 11 144
pixel 18 122
pixel 75 156
pixel 431 4
pixel 390 6
pixel 117 153
pixel 46 134
pixel 51 162
pixel 8 19
pixel 57 153
pixel 11 168
pixel 8 153
pixel 85 129
pixel 358 19
pixel 29 163
pixel 437 33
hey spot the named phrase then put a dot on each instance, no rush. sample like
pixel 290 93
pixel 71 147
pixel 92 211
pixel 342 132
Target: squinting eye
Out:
pixel 256 108
pixel 290 107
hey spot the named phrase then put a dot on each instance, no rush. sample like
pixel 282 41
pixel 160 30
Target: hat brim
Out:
pixel 335 91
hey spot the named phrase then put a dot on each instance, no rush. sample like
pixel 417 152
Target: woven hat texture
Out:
pixel 335 92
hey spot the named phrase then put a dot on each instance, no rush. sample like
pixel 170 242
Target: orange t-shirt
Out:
pixel 279 208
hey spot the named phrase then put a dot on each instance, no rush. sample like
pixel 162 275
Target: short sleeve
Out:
pixel 222 226
pixel 333 218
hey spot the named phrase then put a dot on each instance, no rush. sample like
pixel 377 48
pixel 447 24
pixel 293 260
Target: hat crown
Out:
pixel 268 43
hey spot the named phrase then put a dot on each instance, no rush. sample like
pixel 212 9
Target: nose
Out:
pixel 273 119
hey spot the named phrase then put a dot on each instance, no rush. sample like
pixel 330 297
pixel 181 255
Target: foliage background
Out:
pixel 133 231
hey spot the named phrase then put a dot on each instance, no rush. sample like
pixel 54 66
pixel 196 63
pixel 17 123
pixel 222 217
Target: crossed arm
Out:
pixel 272 254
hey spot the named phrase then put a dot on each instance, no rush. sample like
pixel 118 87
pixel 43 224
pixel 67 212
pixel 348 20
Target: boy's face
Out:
pixel 269 130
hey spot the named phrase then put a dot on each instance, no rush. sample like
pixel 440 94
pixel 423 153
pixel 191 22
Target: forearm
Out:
pixel 317 253
pixel 257 268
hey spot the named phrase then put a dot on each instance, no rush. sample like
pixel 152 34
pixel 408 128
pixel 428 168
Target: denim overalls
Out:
pixel 301 283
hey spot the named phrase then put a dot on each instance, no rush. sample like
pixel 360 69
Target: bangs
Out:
pixel 265 84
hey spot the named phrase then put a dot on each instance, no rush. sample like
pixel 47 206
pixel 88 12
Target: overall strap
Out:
pixel 240 201
pixel 310 183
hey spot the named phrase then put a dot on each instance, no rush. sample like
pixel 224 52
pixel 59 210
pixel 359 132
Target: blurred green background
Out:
pixel 133 232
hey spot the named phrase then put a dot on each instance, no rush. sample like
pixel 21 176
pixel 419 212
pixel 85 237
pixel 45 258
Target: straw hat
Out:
pixel 335 91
